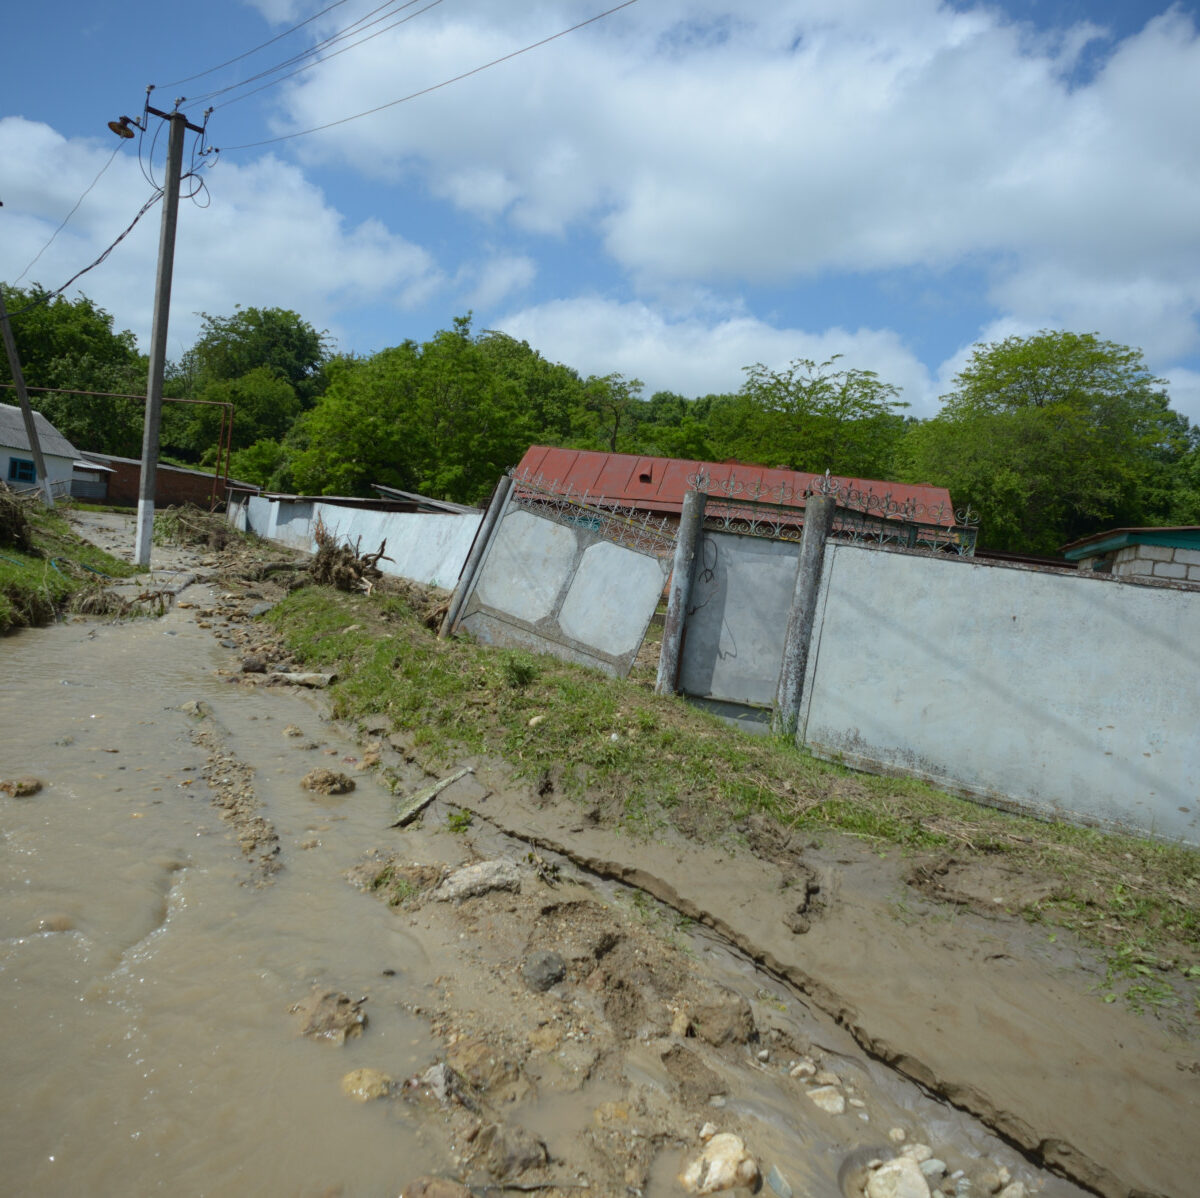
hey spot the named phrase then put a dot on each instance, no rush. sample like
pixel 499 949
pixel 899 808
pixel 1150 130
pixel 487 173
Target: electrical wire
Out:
pixel 45 299
pixel 68 216
pixel 318 62
pixel 435 87
pixel 325 44
pixel 269 42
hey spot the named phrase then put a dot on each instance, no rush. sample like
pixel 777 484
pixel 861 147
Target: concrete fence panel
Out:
pixel 1060 694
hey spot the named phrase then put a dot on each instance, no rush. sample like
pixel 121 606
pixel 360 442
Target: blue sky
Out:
pixel 675 192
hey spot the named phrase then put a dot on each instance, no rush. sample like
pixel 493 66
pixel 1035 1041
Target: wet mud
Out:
pixel 225 983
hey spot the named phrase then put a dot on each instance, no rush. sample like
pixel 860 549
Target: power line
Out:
pixel 45 299
pixel 68 216
pixel 435 87
pixel 269 42
pixel 320 61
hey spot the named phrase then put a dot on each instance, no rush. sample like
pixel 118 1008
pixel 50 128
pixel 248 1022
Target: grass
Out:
pixel 644 761
pixel 57 569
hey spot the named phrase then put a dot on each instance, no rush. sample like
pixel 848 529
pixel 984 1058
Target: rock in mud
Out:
pixel 696 1081
pixel 434 1187
pixel 327 782
pixel 898 1178
pixel 364 1085
pixel 829 1098
pixel 509 1151
pixel 480 878
pixel 488 1070
pixel 543 970
pixel 726 1019
pixel 196 708
pixel 253 664
pixel 723 1165
pixel 21 788
pixel 331 1015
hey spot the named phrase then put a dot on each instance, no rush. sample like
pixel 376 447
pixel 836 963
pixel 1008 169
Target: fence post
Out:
pixel 818 520
pixel 686 542
pixel 479 547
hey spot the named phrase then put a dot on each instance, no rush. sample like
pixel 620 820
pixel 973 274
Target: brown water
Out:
pixel 144 988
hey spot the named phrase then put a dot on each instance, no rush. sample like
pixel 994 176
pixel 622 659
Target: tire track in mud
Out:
pixel 231 782
pixel 1052 1153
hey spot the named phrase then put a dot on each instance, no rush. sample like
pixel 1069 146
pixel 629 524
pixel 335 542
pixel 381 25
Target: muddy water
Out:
pixel 145 987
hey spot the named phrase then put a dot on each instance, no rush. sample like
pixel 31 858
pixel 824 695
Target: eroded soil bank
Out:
pixel 174 906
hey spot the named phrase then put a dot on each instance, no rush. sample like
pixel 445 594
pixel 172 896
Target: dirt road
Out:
pixel 216 981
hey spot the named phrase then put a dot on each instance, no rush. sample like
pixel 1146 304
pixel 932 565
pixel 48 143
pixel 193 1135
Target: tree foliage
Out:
pixel 1050 438
pixel 71 344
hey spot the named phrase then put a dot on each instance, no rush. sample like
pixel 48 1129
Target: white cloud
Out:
pixel 491 282
pixel 268 238
pixel 697 356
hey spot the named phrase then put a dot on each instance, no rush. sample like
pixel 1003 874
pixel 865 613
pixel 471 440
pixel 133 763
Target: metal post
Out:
pixel 479 547
pixel 687 541
pixel 14 364
pixel 158 337
pixel 818 520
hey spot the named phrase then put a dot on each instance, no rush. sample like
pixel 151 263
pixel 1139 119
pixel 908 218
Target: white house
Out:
pixel 17 466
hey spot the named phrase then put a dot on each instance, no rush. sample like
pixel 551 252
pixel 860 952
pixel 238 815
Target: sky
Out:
pixel 674 192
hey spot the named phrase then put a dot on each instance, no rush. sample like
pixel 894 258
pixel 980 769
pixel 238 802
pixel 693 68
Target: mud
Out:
pixel 163 992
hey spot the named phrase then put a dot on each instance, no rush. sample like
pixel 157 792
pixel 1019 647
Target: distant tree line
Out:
pixel 1048 437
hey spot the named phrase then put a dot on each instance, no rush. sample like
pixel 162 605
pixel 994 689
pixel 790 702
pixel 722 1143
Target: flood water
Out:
pixel 145 987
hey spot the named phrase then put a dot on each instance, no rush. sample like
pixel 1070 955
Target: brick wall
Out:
pixel 1157 561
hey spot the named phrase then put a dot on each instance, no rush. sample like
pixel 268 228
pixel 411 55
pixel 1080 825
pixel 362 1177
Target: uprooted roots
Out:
pixel 343 565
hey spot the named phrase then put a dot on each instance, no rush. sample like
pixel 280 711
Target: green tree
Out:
pixel 610 413
pixel 812 417
pixel 71 344
pixel 264 407
pixel 252 338
pixel 1050 438
pixel 551 392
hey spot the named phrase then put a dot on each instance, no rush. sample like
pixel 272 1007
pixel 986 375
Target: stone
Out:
pixel 933 1167
pixel 21 788
pixel 510 1150
pixel 898 1178
pixel 917 1152
pixel 1014 1189
pixel 828 1098
pixel 196 708
pixel 543 969
pixel 897 1135
pixel 777 1183
pixel 434 1187
pixel 363 1085
pixel 724 1164
pixel 726 1019
pixel 260 609
pixel 707 1132
pixel 827 1078
pixel 480 878
pixel 253 664
pixel 327 782
pixel 802 1068
pixel 292 730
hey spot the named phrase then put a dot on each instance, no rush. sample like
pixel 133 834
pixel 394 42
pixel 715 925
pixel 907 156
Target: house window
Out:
pixel 21 470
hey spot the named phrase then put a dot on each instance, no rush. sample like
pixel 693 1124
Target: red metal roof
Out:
pixel 659 484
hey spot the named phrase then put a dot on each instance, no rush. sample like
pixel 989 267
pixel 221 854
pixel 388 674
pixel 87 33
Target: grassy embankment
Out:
pixel 44 566
pixel 641 759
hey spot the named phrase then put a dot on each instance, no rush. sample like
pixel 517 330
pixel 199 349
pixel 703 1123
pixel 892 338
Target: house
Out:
pixel 658 485
pixel 120 480
pixel 1164 554
pixel 17 466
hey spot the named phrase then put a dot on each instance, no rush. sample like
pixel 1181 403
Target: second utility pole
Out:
pixel 158 337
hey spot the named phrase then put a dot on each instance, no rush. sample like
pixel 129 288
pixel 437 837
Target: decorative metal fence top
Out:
pixel 862 516
pixel 633 527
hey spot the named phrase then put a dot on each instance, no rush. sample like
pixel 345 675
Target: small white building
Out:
pixel 17 467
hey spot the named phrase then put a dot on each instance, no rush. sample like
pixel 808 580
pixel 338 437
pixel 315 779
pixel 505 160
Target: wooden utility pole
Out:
pixel 14 364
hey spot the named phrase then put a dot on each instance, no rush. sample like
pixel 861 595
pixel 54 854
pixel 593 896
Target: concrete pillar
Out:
pixel 687 541
pixel 479 548
pixel 818 520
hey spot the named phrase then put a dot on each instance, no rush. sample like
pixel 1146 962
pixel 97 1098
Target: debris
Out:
pixel 723 1165
pixel 477 879
pixel 409 809
pixel 342 565
pixel 726 1019
pixel 326 782
pixel 510 1151
pixel 543 969
pixel 20 788
pixel 331 1015
pixel 312 681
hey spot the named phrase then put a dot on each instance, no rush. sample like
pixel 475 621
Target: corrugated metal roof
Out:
pixel 13 436
pixel 659 484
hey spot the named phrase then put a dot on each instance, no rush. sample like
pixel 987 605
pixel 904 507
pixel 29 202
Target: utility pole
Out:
pixel 14 364
pixel 158 337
